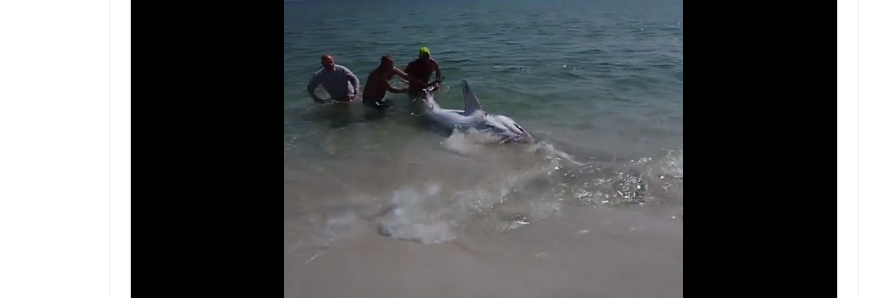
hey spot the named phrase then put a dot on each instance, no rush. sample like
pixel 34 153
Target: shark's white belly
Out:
pixel 450 118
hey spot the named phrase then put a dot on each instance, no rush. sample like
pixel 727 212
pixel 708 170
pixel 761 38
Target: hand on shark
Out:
pixel 436 84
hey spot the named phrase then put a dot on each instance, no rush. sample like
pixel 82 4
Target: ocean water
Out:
pixel 599 83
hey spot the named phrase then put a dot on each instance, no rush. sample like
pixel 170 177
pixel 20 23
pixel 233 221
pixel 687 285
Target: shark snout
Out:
pixel 522 138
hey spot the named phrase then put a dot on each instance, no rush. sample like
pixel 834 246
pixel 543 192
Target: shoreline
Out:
pixel 590 253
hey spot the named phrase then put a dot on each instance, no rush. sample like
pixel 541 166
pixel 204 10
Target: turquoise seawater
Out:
pixel 600 83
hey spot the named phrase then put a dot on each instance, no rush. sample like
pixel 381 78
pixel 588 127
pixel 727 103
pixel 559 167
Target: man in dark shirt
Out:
pixel 422 69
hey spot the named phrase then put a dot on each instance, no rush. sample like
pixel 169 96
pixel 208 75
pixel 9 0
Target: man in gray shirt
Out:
pixel 340 83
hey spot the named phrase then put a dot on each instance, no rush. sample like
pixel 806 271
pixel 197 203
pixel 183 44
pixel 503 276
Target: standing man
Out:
pixel 340 83
pixel 378 84
pixel 422 68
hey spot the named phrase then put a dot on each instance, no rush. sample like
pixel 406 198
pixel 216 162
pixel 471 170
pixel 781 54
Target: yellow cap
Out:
pixel 424 51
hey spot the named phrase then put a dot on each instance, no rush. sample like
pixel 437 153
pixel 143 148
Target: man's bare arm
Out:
pixel 392 89
pixel 439 77
pixel 407 77
pixel 406 70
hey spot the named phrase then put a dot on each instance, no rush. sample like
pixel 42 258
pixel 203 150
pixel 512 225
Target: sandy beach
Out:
pixel 636 253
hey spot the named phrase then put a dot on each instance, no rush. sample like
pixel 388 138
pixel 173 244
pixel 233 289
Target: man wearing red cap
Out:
pixel 340 83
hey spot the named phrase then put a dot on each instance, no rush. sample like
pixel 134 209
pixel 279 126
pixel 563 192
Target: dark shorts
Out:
pixel 378 105
pixel 344 99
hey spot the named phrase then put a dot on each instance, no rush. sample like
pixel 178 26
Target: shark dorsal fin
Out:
pixel 471 102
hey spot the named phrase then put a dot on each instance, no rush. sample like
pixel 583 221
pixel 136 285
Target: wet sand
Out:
pixel 626 252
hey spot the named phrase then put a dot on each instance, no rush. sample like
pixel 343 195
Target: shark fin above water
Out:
pixel 471 102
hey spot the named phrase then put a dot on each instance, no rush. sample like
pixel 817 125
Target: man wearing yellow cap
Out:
pixel 422 68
